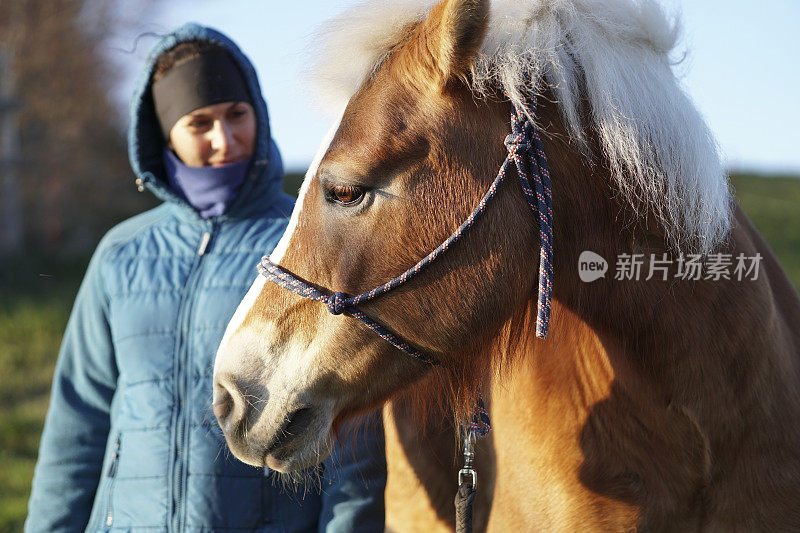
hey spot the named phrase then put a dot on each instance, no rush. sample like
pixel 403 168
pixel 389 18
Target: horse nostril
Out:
pixel 222 406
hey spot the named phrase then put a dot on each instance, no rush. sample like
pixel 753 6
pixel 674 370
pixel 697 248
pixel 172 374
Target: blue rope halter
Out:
pixel 525 151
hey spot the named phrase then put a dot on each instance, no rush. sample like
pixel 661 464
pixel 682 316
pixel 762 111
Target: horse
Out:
pixel 669 401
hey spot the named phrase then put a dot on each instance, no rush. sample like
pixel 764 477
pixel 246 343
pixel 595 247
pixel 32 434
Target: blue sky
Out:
pixel 742 69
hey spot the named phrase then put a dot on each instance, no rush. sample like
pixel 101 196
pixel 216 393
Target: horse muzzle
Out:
pixel 285 434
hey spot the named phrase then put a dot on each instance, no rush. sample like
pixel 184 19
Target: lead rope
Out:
pixel 468 476
pixel 523 140
pixel 526 152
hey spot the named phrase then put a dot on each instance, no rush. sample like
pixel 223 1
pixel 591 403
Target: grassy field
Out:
pixel 773 205
pixel 35 303
pixel 36 296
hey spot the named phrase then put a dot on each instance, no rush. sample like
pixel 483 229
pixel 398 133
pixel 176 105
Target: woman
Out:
pixel 130 440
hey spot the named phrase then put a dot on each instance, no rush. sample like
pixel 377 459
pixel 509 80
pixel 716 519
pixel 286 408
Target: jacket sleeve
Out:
pixel 356 471
pixel 76 428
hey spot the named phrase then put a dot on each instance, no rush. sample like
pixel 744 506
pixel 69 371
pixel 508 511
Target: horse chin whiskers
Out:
pixel 300 482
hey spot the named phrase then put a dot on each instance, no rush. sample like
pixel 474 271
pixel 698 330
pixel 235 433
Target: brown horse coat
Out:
pixel 660 404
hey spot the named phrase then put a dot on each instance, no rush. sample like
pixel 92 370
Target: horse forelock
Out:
pixel 612 56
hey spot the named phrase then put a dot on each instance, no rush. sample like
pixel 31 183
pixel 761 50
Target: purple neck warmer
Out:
pixel 210 190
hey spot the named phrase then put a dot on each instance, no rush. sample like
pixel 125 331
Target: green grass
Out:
pixel 773 205
pixel 33 313
pixel 36 297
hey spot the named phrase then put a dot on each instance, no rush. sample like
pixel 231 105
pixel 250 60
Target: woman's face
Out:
pixel 215 135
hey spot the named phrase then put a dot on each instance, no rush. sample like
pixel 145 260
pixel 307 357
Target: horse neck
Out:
pixel 697 345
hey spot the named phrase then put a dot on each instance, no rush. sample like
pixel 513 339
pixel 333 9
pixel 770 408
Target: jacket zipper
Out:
pixel 201 250
pixel 112 473
pixel 182 434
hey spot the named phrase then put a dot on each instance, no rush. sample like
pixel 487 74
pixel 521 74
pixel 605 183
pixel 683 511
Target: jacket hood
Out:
pixel 146 142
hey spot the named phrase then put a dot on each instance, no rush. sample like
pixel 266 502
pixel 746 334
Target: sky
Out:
pixel 741 66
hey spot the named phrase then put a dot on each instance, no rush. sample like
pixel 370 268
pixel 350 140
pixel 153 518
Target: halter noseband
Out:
pixel 525 151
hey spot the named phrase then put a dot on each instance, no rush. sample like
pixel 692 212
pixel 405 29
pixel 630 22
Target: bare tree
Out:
pixel 11 229
pixel 72 171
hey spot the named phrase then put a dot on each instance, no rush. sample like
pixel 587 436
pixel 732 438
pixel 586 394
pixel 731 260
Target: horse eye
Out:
pixel 346 194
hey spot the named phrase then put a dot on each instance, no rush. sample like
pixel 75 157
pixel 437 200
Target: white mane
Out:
pixel 612 52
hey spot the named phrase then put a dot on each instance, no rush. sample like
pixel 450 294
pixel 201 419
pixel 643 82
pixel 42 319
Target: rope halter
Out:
pixel 526 153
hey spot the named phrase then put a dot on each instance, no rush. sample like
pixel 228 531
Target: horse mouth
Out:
pixel 287 441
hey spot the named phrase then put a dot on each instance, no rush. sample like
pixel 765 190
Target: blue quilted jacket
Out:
pixel 130 442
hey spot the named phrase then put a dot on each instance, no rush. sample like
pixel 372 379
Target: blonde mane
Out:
pixel 612 53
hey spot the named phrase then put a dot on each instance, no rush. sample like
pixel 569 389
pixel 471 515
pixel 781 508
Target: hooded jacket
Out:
pixel 130 442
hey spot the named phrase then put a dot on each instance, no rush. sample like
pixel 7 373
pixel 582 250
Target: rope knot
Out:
pixel 335 303
pixel 518 143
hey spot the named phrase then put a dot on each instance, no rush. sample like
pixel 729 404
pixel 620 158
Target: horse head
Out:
pixel 412 156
